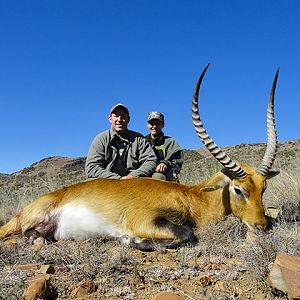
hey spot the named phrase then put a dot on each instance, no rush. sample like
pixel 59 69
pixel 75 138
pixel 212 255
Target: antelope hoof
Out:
pixel 124 239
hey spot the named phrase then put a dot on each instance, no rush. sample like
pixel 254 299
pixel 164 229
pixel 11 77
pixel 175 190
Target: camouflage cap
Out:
pixel 156 115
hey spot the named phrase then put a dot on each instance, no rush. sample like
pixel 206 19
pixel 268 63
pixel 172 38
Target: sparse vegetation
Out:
pixel 227 263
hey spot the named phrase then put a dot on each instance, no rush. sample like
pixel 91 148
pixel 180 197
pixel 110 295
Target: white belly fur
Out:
pixel 80 223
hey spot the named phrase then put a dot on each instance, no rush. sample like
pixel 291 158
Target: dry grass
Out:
pixel 227 262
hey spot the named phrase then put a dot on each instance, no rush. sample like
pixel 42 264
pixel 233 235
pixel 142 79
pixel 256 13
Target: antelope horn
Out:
pixel 269 156
pixel 221 156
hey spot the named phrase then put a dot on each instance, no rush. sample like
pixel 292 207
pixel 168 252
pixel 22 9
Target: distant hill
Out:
pixel 53 165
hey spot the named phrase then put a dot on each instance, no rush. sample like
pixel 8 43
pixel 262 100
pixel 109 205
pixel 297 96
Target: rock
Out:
pixel 38 288
pixel 285 275
pixel 205 280
pixel 83 288
pixel 273 212
pixel 216 267
pixel 38 243
pixel 232 262
pixel 27 267
pixel 47 269
pixel 166 296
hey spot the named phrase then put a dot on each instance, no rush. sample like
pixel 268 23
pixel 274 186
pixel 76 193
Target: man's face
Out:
pixel 119 120
pixel 155 127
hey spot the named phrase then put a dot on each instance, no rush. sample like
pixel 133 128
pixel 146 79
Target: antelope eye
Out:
pixel 238 192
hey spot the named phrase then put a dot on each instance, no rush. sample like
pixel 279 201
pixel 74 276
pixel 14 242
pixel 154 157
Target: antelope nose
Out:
pixel 270 223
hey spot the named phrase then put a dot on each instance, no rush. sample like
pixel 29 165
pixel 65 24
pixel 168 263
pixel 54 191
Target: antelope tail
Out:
pixel 11 228
pixel 39 212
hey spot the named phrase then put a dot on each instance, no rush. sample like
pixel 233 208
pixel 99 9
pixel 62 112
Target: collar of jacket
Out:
pixel 157 141
pixel 125 137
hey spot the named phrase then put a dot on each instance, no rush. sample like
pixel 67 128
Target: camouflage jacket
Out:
pixel 167 151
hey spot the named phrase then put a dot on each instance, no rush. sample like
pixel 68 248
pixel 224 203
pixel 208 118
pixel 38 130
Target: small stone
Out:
pixel 285 275
pixel 37 244
pixel 273 212
pixel 38 288
pixel 205 280
pixel 27 267
pixel 216 267
pixel 47 269
pixel 85 287
pixel 232 262
pixel 166 296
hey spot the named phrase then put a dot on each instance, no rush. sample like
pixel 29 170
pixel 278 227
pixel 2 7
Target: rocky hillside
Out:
pixel 227 263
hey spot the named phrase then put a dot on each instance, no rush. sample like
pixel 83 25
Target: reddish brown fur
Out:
pixel 134 204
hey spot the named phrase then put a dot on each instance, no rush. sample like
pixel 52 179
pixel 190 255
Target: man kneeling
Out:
pixel 168 152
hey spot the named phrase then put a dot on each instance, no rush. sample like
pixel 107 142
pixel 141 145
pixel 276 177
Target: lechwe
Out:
pixel 149 212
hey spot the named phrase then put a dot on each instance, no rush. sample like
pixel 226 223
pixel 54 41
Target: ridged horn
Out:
pixel 270 153
pixel 221 156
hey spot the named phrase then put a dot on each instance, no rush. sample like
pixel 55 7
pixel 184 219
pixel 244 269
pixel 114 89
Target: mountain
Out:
pixel 53 165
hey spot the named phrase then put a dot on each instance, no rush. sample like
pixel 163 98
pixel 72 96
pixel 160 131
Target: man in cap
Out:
pixel 118 152
pixel 168 152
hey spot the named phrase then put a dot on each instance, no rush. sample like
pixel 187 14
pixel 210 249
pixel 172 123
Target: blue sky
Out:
pixel 63 64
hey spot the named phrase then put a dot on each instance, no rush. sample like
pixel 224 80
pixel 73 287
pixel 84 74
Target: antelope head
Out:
pixel 245 185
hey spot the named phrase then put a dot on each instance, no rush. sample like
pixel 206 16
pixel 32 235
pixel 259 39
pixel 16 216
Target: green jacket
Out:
pixel 167 151
pixel 138 158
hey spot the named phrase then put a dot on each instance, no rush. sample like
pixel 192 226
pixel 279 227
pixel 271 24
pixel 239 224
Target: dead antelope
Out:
pixel 148 212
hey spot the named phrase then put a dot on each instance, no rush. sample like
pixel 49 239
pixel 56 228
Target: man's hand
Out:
pixel 161 168
pixel 127 177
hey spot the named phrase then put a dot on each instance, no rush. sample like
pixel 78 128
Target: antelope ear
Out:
pixel 219 184
pixel 210 188
pixel 272 174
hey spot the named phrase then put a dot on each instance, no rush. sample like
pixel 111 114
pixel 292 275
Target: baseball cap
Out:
pixel 119 105
pixel 156 115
